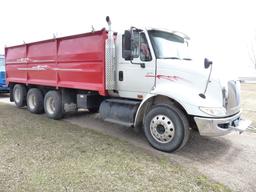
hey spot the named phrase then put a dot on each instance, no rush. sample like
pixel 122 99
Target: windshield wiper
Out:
pixel 170 58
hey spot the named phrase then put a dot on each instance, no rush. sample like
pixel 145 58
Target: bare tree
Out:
pixel 252 51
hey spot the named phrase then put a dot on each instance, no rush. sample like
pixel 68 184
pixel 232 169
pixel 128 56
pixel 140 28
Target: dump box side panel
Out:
pixel 15 60
pixel 71 62
pixel 81 62
pixel 41 62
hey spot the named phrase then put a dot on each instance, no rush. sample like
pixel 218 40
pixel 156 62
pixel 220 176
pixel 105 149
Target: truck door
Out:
pixel 136 75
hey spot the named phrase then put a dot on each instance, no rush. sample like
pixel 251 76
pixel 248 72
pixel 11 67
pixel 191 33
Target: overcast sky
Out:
pixel 221 30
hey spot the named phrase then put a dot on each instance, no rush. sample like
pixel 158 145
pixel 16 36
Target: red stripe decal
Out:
pixel 166 77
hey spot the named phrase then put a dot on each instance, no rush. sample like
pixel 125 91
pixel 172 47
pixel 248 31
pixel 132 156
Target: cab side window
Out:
pixel 144 48
pixel 139 46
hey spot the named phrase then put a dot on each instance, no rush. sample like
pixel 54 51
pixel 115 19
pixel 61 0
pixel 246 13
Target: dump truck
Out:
pixel 3 86
pixel 140 78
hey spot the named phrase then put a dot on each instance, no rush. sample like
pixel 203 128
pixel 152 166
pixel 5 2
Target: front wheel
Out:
pixel 166 128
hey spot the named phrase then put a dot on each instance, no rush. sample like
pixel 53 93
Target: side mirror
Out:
pixel 127 45
pixel 207 63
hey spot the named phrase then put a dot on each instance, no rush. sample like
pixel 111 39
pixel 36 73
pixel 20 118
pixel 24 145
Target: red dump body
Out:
pixel 76 62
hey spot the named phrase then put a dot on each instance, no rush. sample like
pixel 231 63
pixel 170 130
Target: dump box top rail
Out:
pixel 76 62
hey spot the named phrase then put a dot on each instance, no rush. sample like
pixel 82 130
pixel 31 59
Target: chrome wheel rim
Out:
pixel 162 129
pixel 17 95
pixel 32 101
pixel 50 105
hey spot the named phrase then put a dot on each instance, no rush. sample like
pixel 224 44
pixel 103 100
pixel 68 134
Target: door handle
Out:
pixel 142 65
pixel 121 75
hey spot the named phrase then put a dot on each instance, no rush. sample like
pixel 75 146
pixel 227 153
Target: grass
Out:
pixel 248 99
pixel 39 154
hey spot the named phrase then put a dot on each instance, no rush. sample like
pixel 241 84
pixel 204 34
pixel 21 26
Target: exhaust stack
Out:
pixel 110 58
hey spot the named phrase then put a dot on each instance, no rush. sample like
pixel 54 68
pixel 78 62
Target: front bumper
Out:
pixel 221 126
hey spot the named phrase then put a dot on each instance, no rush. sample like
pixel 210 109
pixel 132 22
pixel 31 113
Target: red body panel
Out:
pixel 70 62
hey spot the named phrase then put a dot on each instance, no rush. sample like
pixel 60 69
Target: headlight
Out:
pixel 214 111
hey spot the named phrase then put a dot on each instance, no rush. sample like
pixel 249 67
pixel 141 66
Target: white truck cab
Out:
pixel 154 71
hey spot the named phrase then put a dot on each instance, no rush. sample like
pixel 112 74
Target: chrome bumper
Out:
pixel 217 127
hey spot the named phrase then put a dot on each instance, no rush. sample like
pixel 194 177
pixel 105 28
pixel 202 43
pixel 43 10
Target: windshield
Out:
pixel 168 45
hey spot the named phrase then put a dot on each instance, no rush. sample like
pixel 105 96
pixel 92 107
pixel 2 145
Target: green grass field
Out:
pixel 39 154
pixel 248 99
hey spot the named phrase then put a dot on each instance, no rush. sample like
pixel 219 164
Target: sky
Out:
pixel 222 31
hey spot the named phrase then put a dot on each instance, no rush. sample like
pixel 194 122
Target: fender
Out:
pixel 187 96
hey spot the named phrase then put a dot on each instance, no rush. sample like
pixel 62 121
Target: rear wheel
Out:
pixel 35 101
pixel 166 128
pixel 19 95
pixel 53 105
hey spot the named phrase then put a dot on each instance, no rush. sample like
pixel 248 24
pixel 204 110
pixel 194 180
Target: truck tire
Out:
pixel 53 105
pixel 19 95
pixel 35 101
pixel 166 128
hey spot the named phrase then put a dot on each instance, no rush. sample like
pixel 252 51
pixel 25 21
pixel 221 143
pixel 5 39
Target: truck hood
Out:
pixel 188 79
pixel 195 72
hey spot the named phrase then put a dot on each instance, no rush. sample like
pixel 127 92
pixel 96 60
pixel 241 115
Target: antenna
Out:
pixel 93 29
